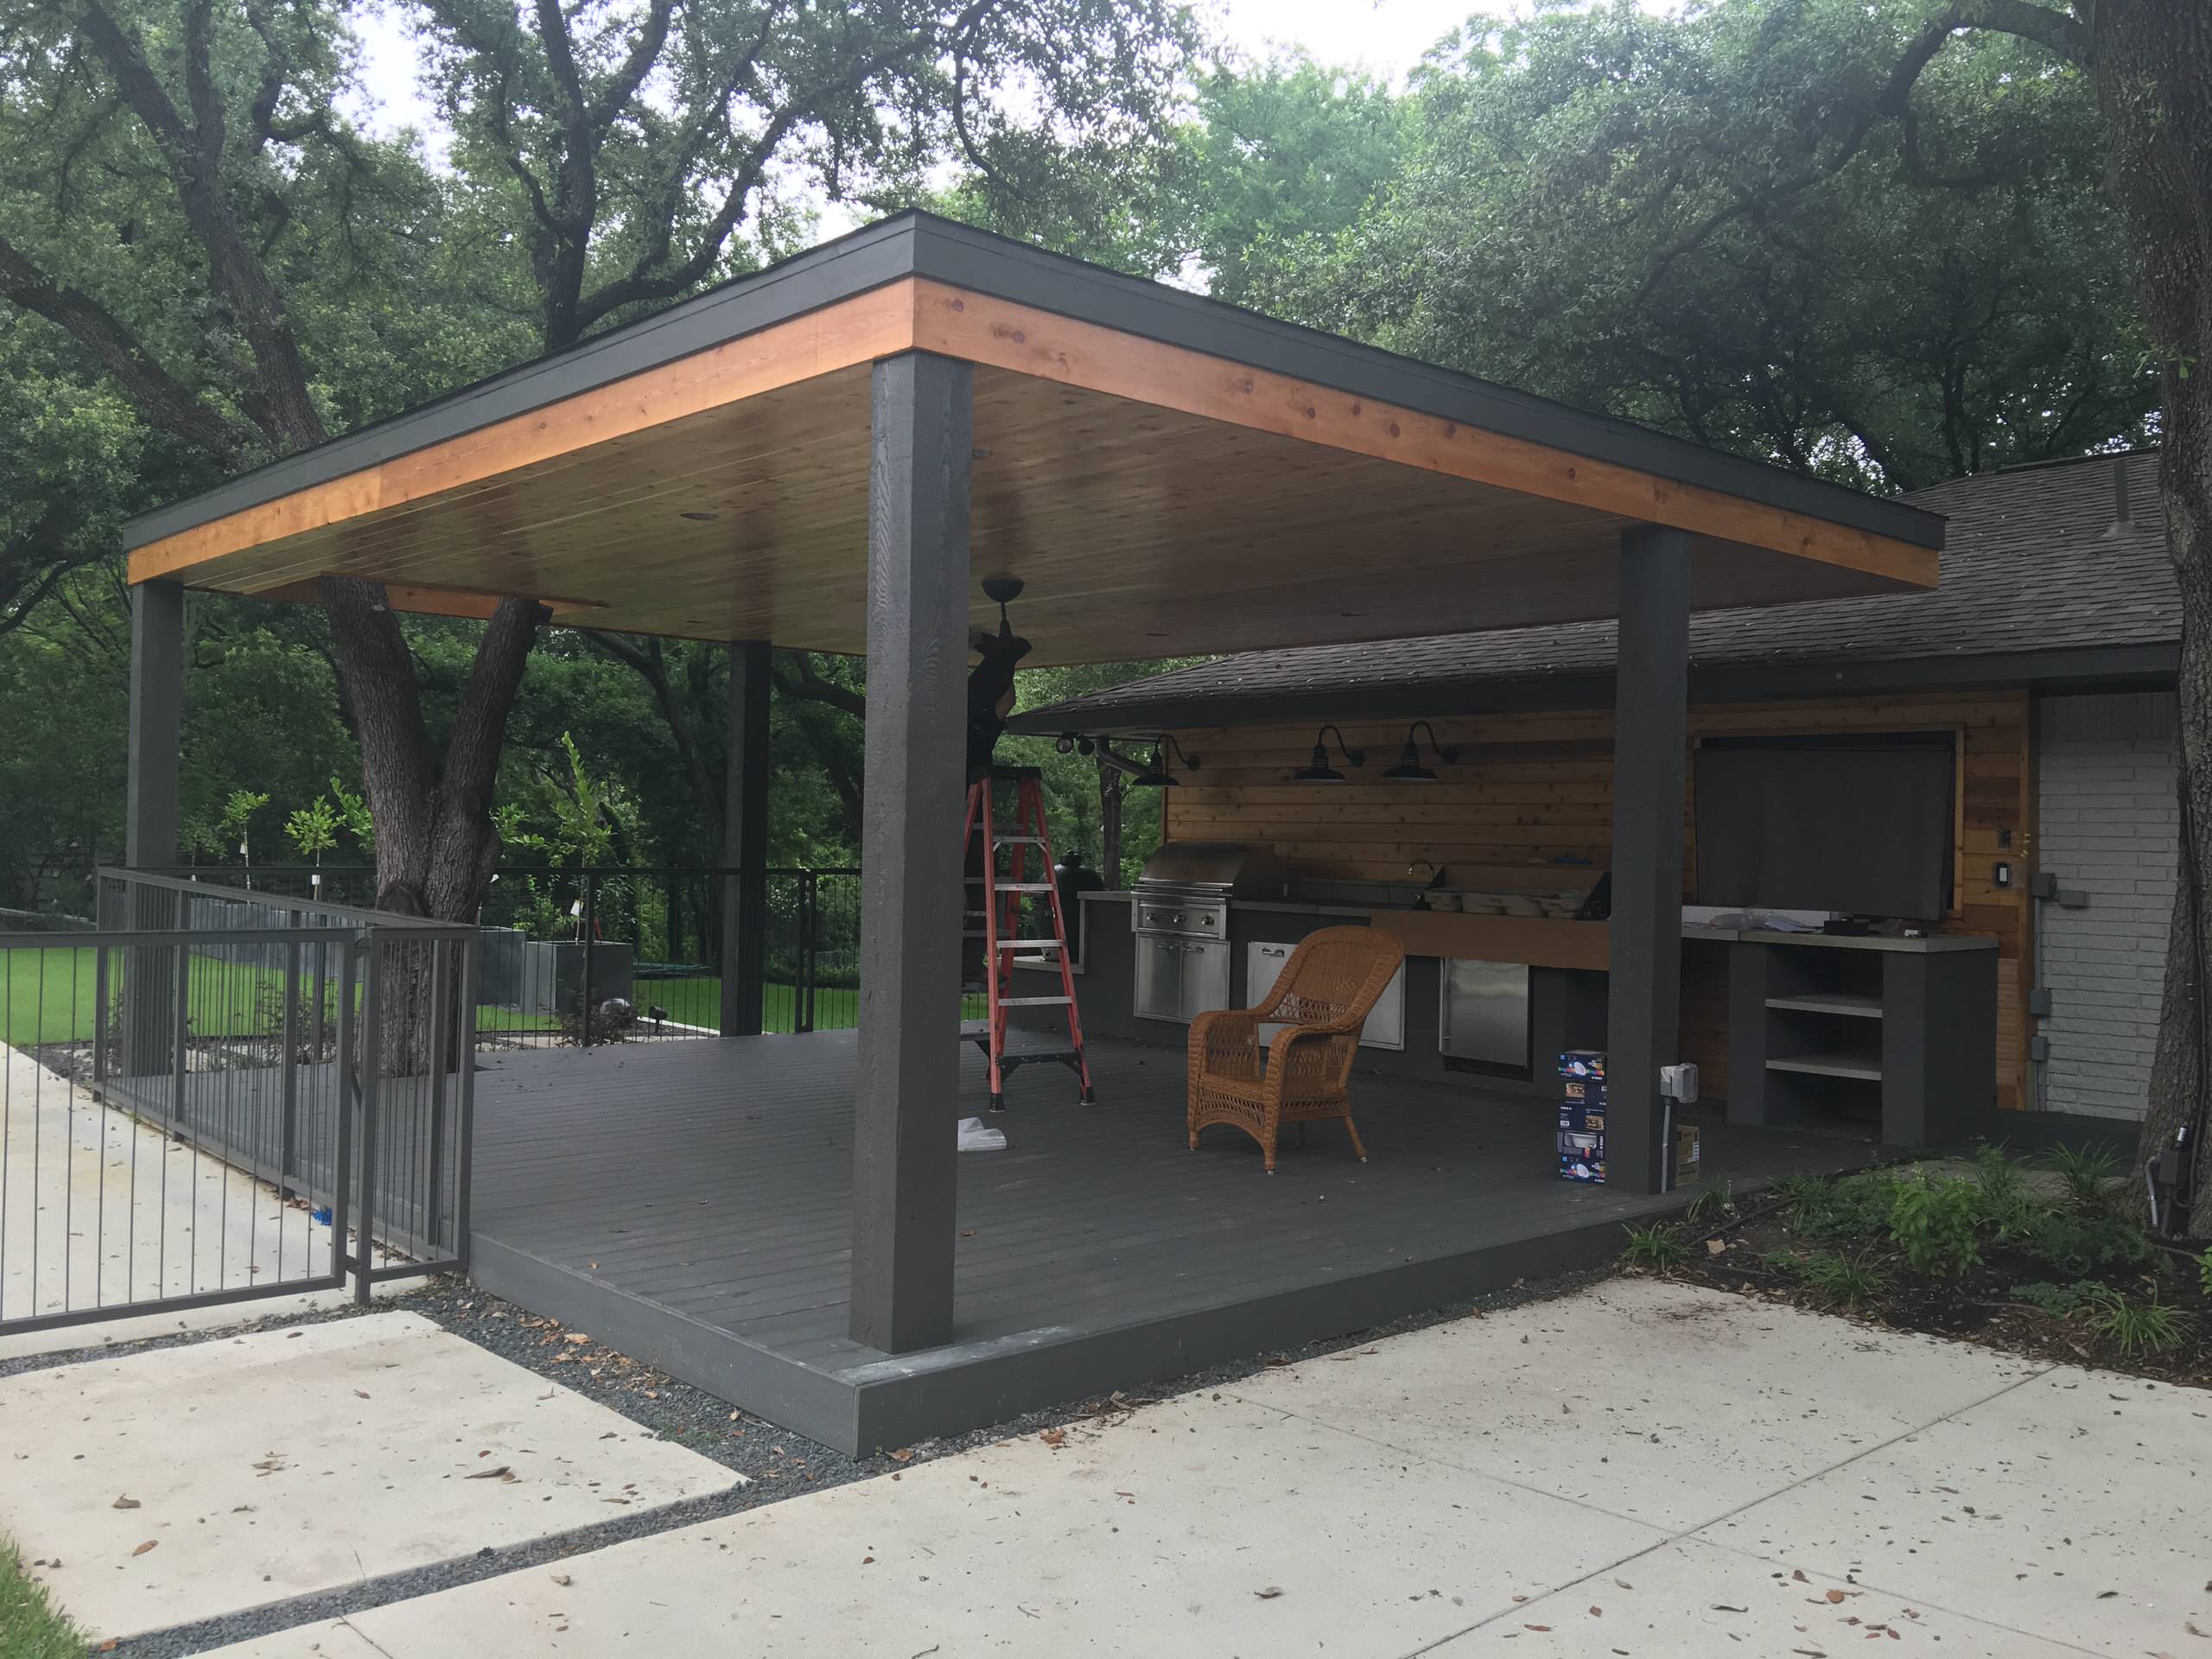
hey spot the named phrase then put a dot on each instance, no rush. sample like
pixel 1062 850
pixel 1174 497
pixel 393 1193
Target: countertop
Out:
pixel 1927 944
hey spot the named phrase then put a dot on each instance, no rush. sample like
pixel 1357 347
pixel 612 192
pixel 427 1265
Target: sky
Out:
pixel 1386 36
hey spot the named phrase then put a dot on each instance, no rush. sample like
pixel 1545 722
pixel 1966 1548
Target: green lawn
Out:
pixel 29 1627
pixel 49 996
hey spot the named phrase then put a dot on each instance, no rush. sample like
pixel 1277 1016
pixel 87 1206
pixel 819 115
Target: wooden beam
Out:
pixel 418 600
pixel 1015 337
pixel 859 330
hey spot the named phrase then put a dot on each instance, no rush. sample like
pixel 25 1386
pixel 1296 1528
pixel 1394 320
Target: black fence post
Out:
pixel 591 929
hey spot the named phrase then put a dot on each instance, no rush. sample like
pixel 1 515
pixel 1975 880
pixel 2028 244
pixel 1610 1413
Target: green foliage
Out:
pixel 1658 1246
pixel 1844 1280
pixel 30 1626
pixel 2060 1302
pixel 1712 1207
pixel 1569 218
pixel 1935 1221
pixel 1783 1262
pixel 1858 1206
pixel 2137 1330
pixel 2204 1272
pixel 313 829
pixel 2083 1243
pixel 2010 1207
pixel 2086 1171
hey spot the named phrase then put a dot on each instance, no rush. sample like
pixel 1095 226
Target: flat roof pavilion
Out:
pixel 1170 475
pixel 826 454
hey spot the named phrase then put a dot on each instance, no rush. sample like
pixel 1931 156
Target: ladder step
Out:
pixel 1017 841
pixel 1035 1002
pixel 1032 945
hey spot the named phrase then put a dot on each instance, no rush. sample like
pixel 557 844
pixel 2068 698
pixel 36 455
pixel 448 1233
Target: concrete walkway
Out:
pixel 155 1489
pixel 99 1211
pixel 1642 1469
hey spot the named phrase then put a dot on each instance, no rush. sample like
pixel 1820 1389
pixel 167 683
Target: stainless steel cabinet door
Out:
pixel 1483 1014
pixel 1205 978
pixel 1158 993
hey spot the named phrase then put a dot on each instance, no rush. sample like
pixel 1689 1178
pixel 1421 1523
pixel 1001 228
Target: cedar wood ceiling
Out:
pixel 1158 499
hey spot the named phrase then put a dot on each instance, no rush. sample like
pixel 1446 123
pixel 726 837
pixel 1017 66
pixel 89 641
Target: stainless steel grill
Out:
pixel 1181 922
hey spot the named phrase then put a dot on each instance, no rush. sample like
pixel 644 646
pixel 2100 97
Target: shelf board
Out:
pixel 1829 1065
pixel 1843 1002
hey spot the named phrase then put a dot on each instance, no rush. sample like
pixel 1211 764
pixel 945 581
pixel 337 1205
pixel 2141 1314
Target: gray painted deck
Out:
pixel 691 1202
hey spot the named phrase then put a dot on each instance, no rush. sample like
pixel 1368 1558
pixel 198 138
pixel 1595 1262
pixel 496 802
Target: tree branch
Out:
pixel 161 399
pixel 813 688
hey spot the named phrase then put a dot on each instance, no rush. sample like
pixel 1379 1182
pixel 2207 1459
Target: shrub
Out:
pixel 2135 1328
pixel 1783 1262
pixel 2058 1301
pixel 2084 1243
pixel 1659 1245
pixel 2009 1206
pixel 1935 1222
pixel 2086 1171
pixel 1855 1207
pixel 1712 1207
pixel 2204 1271
pixel 1844 1280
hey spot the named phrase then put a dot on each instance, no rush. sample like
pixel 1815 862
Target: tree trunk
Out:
pixel 1111 787
pixel 435 844
pixel 2152 64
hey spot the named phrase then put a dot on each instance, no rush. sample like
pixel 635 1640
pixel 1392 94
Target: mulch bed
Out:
pixel 1981 1306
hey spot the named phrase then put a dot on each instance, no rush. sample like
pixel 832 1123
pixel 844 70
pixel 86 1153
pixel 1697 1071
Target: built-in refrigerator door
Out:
pixel 1483 1014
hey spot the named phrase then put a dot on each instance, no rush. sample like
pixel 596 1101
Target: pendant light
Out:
pixel 1409 769
pixel 1318 771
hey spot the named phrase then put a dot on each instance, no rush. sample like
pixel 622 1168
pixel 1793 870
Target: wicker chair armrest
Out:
pixel 1225 1038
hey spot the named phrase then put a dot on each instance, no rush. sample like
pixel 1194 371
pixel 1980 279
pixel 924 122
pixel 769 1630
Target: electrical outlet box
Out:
pixel 1679 1082
pixel 2000 873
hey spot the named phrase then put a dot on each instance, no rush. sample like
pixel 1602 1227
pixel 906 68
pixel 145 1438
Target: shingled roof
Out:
pixel 2043 581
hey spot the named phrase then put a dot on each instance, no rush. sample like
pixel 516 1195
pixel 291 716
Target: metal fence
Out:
pixel 641 947
pixel 216 1096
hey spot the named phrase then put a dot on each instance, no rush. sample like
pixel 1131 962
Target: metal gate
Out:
pixel 214 1097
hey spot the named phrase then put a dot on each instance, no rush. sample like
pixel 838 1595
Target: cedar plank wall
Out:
pixel 1531 786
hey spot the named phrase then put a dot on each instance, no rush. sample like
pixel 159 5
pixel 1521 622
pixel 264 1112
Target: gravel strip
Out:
pixel 778 1465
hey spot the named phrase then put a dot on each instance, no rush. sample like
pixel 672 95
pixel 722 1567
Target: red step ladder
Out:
pixel 997 921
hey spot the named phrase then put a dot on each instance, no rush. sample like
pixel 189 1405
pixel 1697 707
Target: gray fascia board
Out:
pixel 916 243
pixel 837 271
pixel 2093 668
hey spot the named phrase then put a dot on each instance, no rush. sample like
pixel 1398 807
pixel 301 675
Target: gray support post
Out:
pixel 904 1132
pixel 745 842
pixel 153 1037
pixel 1651 735
pixel 157 723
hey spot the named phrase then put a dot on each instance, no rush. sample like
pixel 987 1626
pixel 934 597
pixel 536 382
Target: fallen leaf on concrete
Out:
pixel 1624 1584
pixel 1835 1595
pixel 1713 1247
pixel 576 1336
pixel 360 1394
pixel 1597 1612
pixel 144 1548
pixel 1723 1607
pixel 904 1454
pixel 1270 1593
pixel 494 1474
pixel 124 1503
pixel 1053 1436
pixel 1536 1627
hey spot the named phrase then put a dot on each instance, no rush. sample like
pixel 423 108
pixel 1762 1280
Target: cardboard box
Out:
pixel 1583 1065
pixel 1688 1166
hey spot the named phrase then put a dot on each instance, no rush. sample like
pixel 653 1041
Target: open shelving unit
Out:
pixel 1868 1036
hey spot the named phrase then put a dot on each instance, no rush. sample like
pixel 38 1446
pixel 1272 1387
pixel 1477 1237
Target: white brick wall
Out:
pixel 2108 828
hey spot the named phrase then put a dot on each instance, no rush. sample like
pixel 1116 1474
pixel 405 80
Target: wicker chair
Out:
pixel 1321 1000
